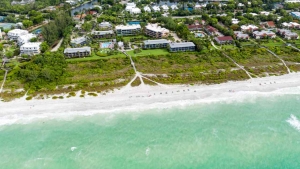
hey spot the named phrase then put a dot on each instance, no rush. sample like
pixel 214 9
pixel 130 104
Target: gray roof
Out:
pixel 183 44
pixel 157 41
pixel 102 32
pixel 74 50
pixel 78 40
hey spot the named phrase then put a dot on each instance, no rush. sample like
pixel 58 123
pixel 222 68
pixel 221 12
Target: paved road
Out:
pixel 57 46
pixel 190 17
pixel 4 79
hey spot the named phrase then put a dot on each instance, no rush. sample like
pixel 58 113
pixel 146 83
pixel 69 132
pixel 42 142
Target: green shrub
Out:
pixel 72 94
pixel 92 94
pixel 61 97
pixel 54 97
pixel 29 98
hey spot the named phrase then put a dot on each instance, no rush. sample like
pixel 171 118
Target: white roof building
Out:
pixel 197 6
pixel 15 33
pixel 154 30
pixel 265 13
pixel 131 7
pixel 135 10
pixel 156 8
pixel 79 41
pixel 240 5
pixel 253 14
pixel 25 38
pixel 248 28
pixel 174 7
pixel 165 7
pixel 30 48
pixel 291 25
pixel 147 9
pixel 131 4
pixel 292 1
pixel 104 25
pixel 234 21
pixel 263 33
pixel 127 27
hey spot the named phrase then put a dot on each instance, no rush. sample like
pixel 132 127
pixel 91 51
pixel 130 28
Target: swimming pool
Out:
pixel 7 25
pixel 199 35
pixel 106 45
pixel 37 31
pixel 133 22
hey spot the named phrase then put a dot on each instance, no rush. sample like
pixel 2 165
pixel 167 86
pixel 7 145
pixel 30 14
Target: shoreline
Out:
pixel 145 97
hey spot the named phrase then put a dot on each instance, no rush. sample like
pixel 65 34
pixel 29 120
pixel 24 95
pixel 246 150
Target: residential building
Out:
pixel 105 25
pixel 241 35
pixel 223 39
pixel 293 25
pixel 158 43
pixel 182 47
pixel 287 34
pixel 79 41
pixel 71 2
pixel 263 34
pixel 156 31
pixel 234 21
pixel 249 28
pixel 120 44
pixel 165 8
pixel 94 13
pixel 240 5
pixel 128 29
pixel 77 52
pixel 269 24
pixel 156 8
pixel 22 2
pixel 25 38
pixel 195 27
pixel 174 7
pixel 265 13
pixel 295 14
pixel 197 6
pixel 292 1
pixel 103 34
pixel 253 14
pixel 16 33
pixel 131 7
pixel 211 30
pixel 79 17
pixel 147 9
pixel 31 48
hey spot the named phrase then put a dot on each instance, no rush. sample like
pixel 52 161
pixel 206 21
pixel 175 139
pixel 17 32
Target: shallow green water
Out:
pixel 249 134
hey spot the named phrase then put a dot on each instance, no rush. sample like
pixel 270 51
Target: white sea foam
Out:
pixel 73 148
pixel 294 122
pixel 147 151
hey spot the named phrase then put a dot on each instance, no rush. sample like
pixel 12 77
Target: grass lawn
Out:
pixel 247 43
pixel 127 38
pixel 272 44
pixel 94 57
pixel 149 52
pixel 227 47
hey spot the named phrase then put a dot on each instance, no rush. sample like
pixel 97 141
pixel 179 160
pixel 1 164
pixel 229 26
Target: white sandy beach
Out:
pixel 144 97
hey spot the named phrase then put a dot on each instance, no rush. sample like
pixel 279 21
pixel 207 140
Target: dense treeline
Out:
pixel 5 6
pixel 61 26
pixel 43 71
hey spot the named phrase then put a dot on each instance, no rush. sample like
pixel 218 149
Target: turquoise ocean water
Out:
pixel 246 134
